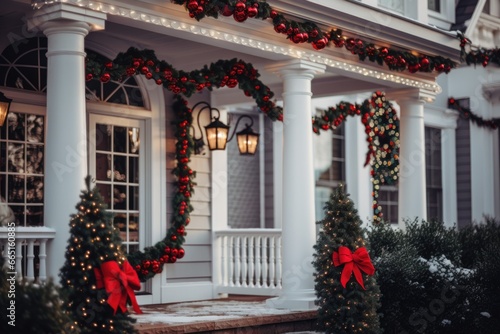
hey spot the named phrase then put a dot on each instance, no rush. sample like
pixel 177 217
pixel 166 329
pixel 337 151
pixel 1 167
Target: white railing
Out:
pixel 250 261
pixel 30 250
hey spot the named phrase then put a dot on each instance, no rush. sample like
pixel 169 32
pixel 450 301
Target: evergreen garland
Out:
pixel 382 135
pixel 466 113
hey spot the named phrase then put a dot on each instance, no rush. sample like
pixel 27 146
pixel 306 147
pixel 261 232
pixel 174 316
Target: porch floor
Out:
pixel 233 315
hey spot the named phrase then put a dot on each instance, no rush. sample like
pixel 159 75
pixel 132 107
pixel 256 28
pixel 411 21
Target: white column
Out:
pixel 66 140
pixel 298 230
pixel 412 186
pixel 357 175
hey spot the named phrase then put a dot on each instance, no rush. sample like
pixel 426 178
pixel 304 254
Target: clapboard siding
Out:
pixel 243 185
pixel 188 270
pixel 464 201
pixel 197 262
pixel 269 173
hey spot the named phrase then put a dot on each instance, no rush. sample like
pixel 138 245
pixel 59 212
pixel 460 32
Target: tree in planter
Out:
pixel 347 298
pixel 96 278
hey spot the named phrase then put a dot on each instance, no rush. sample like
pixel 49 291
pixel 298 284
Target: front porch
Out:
pixel 235 314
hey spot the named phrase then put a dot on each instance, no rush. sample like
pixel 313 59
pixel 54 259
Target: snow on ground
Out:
pixel 209 310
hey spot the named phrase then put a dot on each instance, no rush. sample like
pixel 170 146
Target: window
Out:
pixel 329 165
pixel 115 161
pixel 23 65
pixel 433 174
pixel 336 170
pixel 125 91
pixel 434 5
pixel 393 5
pixel 388 200
pixel 22 140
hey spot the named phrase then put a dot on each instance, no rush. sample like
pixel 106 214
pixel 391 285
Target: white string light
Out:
pixel 236 39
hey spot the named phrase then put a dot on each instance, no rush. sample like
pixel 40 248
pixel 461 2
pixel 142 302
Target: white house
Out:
pixel 61 128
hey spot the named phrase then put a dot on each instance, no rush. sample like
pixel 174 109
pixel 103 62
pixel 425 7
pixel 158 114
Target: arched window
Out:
pixel 23 66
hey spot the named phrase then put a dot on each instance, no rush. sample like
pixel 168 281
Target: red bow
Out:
pixel 119 284
pixel 354 262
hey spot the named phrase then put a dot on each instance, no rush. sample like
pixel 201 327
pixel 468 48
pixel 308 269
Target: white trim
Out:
pixel 444 18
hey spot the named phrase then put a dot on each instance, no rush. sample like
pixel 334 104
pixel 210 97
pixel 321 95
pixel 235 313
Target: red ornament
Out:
pixel 181 253
pixel 89 76
pixel 173 237
pixel 273 14
pixel 227 11
pixel 240 6
pixel 105 77
pixel 192 5
pixel 240 16
pixel 252 11
pixel 109 65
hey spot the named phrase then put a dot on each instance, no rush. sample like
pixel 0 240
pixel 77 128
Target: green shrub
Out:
pixel 38 308
pixel 435 279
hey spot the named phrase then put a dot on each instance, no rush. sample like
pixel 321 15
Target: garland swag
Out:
pixel 382 135
pixel 377 114
pixel 231 73
pixel 466 113
pixel 309 32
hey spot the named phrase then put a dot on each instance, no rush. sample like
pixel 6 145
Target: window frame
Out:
pixel 94 119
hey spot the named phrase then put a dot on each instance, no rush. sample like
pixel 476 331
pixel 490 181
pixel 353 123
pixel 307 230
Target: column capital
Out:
pixel 416 95
pixel 47 16
pixel 491 91
pixel 297 66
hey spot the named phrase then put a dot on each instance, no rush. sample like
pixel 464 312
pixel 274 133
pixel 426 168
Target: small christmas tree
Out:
pixel 94 252
pixel 347 298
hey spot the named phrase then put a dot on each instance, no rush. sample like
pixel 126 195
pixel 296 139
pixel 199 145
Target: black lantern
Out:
pixel 217 133
pixel 4 107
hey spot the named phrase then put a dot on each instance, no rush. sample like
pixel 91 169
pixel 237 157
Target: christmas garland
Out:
pixel 466 113
pixel 309 32
pixel 230 73
pixel 382 134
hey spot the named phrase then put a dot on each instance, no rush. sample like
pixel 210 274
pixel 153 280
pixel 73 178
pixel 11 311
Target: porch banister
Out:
pixel 298 226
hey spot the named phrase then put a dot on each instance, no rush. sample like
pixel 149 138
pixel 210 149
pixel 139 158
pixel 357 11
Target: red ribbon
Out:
pixel 119 284
pixel 356 262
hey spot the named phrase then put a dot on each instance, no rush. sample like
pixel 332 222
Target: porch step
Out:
pixel 223 317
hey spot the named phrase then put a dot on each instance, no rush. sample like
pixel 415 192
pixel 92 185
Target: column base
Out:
pixel 299 301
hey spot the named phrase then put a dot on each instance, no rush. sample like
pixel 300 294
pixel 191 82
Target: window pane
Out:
pixel 16 189
pixel 103 167
pixel 133 198
pixel 34 215
pixel 34 159
pixel 16 158
pixel 434 5
pixel 119 197
pixel 16 126
pixel 133 169
pixel 35 129
pixel 105 191
pixel 134 140
pixel 34 190
pixel 103 137
pixel 120 139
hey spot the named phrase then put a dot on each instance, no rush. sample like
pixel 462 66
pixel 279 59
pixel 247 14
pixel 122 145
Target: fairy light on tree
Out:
pixel 347 293
pixel 93 242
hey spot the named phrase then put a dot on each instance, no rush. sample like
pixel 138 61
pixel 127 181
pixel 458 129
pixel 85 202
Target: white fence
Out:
pixel 30 250
pixel 250 261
